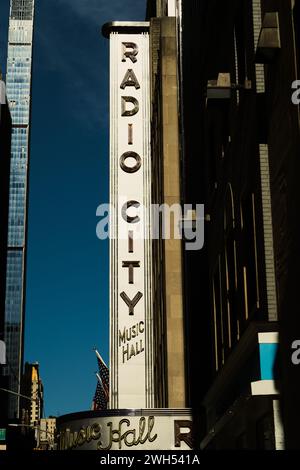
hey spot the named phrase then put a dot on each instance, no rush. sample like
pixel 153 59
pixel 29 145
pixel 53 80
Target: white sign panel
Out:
pixel 130 247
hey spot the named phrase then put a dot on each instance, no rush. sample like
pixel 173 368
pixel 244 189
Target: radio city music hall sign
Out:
pixel 130 190
pixel 130 348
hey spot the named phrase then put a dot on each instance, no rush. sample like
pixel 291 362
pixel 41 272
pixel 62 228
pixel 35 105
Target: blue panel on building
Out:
pixel 267 354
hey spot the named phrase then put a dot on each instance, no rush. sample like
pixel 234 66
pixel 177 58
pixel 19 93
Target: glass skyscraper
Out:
pixel 18 84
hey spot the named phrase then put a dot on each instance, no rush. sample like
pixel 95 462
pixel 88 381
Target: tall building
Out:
pixel 32 387
pixel 18 83
pixel 5 143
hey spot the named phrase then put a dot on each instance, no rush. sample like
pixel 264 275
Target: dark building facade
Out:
pixel 5 145
pixel 175 135
pixel 239 158
pixel 284 165
pixel 239 148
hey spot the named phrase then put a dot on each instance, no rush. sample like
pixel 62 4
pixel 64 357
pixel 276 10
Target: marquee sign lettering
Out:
pixel 169 431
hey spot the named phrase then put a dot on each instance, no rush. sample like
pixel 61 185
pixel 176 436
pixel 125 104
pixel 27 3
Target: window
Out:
pixel 22 9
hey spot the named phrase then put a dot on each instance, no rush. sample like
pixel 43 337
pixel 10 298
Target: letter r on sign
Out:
pixel 131 53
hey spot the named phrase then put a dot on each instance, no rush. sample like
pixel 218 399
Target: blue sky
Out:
pixel 67 311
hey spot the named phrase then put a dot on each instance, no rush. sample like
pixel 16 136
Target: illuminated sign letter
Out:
pixel 130 169
pixel 128 218
pixel 131 303
pixel 130 80
pixel 131 54
pixel 183 437
pixel 131 265
pixel 129 112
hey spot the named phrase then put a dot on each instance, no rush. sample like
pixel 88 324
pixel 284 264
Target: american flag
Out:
pixel 102 390
pixel 103 372
pixel 100 400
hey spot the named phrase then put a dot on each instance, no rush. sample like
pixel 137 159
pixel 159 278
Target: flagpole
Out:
pixel 99 378
pixel 99 357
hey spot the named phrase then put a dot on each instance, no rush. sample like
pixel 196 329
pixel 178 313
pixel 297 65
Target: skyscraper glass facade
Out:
pixel 18 84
